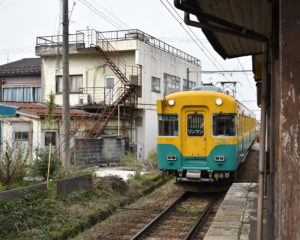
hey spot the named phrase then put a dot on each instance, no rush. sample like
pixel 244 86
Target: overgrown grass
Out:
pixel 150 163
pixel 60 217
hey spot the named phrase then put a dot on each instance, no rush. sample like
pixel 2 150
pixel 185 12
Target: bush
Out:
pixel 151 160
pixel 40 164
pixel 12 164
pixel 130 161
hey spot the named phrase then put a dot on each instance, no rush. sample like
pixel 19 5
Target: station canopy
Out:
pixel 234 28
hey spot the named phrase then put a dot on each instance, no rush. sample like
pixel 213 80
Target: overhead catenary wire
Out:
pixel 214 61
pixel 203 46
pixel 182 26
pixel 246 76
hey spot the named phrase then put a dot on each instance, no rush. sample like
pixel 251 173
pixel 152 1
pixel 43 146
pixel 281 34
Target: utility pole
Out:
pixel 187 79
pixel 66 88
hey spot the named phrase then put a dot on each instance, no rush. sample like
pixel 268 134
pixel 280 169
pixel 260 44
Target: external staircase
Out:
pixel 124 88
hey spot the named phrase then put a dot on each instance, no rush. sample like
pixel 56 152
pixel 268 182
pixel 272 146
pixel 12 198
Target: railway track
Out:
pixel 183 219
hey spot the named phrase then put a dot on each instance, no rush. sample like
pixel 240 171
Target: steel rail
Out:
pixel 193 229
pixel 201 218
pixel 141 233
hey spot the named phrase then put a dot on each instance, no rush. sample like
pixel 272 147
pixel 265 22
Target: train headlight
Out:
pixel 171 102
pixel 219 101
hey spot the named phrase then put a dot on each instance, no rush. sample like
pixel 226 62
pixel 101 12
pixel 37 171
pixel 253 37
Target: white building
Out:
pixel 154 66
pixel 26 125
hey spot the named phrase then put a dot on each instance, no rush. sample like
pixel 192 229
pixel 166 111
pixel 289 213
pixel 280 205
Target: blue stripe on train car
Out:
pixel 169 157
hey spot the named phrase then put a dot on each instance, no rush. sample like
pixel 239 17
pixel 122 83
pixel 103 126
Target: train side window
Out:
pixel 195 126
pixel 224 125
pixel 168 125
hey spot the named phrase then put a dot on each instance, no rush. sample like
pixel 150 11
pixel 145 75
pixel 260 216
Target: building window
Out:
pixel 172 84
pixel 75 84
pixel 110 82
pixel 22 94
pixel 155 83
pixel 195 126
pixel 50 137
pixel 168 125
pixel 224 125
pixel 21 136
pixel 188 85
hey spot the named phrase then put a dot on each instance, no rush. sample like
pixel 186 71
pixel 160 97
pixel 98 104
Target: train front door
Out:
pixel 193 133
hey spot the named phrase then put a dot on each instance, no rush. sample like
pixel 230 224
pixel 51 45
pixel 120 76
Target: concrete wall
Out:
pixel 93 152
pixel 91 66
pixel 155 63
pixel 67 186
pixel 20 192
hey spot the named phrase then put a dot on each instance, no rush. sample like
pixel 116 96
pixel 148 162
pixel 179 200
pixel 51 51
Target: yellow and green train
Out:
pixel 204 134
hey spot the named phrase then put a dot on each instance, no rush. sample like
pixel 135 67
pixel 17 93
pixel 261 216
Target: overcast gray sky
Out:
pixel 21 21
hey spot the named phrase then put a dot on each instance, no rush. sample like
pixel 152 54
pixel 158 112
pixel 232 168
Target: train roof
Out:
pixel 210 91
pixel 207 88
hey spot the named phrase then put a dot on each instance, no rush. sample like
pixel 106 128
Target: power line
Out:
pixel 101 14
pixel 112 14
pixel 213 60
pixel 74 3
pixel 194 35
pixel 9 5
pixel 214 63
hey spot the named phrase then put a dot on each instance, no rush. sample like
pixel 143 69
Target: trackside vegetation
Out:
pixel 61 217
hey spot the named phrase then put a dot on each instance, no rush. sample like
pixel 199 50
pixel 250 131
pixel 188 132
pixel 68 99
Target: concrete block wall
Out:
pixel 106 150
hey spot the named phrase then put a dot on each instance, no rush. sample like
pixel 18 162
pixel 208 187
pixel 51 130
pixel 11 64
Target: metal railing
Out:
pixel 56 40
pixel 90 37
pixel 100 95
pixel 148 39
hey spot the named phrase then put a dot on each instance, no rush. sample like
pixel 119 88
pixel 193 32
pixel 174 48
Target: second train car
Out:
pixel 204 134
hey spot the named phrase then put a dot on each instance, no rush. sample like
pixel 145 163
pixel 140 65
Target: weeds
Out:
pixel 12 164
pixel 150 163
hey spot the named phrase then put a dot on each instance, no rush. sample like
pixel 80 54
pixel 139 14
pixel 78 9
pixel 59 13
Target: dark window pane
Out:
pixel 195 126
pixel 168 125
pixel 50 137
pixel 224 125
pixel 21 136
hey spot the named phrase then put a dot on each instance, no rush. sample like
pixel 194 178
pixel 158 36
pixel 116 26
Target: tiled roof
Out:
pixel 14 120
pixel 38 110
pixel 42 112
pixel 25 66
pixel 24 104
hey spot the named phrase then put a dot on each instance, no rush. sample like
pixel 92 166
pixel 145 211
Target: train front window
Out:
pixel 224 124
pixel 195 126
pixel 168 125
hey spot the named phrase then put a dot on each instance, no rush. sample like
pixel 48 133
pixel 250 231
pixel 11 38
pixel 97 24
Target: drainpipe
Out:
pixel 119 118
pixel 262 147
